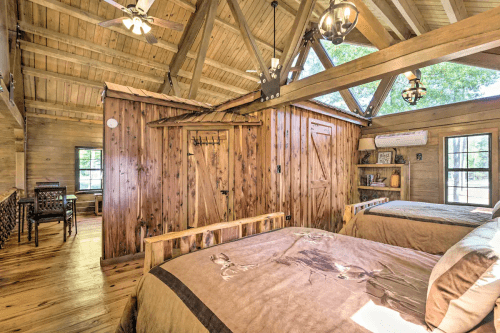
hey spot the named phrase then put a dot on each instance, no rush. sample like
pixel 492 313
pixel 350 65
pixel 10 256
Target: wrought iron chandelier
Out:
pixel 415 92
pixel 335 22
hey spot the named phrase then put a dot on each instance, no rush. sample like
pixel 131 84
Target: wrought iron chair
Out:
pixel 47 184
pixel 50 206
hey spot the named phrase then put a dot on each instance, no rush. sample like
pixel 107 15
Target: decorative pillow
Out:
pixel 496 211
pixel 465 283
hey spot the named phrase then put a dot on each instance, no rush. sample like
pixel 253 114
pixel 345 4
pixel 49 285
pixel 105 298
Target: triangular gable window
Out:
pixel 313 66
pixel 446 83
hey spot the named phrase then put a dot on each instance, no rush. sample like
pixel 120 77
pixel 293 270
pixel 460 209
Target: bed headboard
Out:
pixel 160 248
pixel 351 210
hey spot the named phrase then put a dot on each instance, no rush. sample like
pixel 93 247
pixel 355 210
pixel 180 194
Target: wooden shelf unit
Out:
pixel 385 170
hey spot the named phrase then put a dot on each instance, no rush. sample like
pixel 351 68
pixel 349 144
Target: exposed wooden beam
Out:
pixel 100 85
pixel 63 118
pixel 187 40
pixel 78 59
pixel 483 60
pixel 475 34
pixel 214 83
pixel 248 38
pixel 412 15
pixel 326 61
pixel 7 108
pixel 371 27
pixel 94 19
pixel 380 95
pixel 85 110
pixel 248 98
pixel 390 17
pixel 294 39
pixel 233 28
pixel 202 50
pixel 455 10
pixel 304 52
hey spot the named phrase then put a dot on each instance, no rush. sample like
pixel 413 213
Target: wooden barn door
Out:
pixel 321 151
pixel 210 184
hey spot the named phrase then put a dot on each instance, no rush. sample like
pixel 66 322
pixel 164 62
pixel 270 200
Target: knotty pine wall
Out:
pixel 51 153
pixel 7 155
pixel 143 171
pixel 465 117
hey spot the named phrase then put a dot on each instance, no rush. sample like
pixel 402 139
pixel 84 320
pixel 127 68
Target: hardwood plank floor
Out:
pixel 61 287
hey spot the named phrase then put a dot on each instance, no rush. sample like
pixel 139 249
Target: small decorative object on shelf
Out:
pixel 384 157
pixel 398 159
pixel 369 180
pixel 366 145
pixel 395 179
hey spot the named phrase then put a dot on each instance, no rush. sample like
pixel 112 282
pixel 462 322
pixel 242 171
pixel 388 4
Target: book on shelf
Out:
pixel 377 184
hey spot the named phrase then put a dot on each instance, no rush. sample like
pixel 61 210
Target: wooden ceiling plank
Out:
pixel 292 43
pixel 75 12
pixel 64 118
pixel 202 50
pixel 62 108
pixel 81 60
pixel 412 15
pixel 390 17
pixel 326 61
pixel 380 95
pixel 455 10
pixel 248 38
pixel 475 34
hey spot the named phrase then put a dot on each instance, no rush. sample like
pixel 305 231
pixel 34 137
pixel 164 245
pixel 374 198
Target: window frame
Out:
pixel 489 169
pixel 77 170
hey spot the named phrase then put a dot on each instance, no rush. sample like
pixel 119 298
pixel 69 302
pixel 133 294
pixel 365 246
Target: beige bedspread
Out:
pixel 427 227
pixel 289 280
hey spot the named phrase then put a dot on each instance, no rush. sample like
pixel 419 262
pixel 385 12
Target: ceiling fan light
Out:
pixel 146 28
pixel 128 23
pixel 137 26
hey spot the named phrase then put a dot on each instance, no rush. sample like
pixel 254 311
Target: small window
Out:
pixel 88 169
pixel 468 170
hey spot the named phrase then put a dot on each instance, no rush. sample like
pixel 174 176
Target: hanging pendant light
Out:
pixel 335 22
pixel 415 92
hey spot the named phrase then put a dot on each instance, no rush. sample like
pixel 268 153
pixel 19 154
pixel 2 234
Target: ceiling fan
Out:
pixel 138 20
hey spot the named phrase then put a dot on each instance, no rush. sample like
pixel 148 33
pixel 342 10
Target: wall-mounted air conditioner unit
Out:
pixel 418 138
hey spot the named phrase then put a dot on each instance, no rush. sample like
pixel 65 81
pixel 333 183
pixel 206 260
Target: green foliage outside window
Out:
pixel 446 82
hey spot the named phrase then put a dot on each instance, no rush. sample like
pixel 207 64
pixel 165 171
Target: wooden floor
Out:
pixel 60 287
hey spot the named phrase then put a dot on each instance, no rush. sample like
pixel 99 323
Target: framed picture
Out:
pixel 384 157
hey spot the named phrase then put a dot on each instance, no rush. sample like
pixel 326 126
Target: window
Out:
pixel 446 83
pixel 468 170
pixel 88 169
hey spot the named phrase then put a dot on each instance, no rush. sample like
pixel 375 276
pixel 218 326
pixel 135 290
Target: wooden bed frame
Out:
pixel 351 210
pixel 160 248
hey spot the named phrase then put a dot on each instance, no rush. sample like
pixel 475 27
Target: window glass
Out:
pixel 468 170
pixel 89 172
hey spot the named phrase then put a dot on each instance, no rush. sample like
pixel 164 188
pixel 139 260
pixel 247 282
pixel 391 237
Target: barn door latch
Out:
pixel 278 169
pixel 224 192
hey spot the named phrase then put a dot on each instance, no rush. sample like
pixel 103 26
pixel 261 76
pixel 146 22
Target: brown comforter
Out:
pixel 289 280
pixel 427 227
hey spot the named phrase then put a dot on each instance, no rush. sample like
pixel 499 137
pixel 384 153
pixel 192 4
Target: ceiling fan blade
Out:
pixel 150 38
pixel 116 4
pixel 144 5
pixel 166 24
pixel 112 23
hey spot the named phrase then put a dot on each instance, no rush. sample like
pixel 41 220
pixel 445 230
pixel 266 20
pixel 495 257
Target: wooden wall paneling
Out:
pixel 287 185
pixel 295 135
pixel 304 169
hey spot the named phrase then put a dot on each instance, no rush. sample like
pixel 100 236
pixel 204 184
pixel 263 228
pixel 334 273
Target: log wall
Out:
pixel 144 174
pixel 7 155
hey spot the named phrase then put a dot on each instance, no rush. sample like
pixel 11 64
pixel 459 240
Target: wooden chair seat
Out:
pixel 43 218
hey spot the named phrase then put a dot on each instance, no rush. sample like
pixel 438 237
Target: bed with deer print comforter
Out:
pixel 287 280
